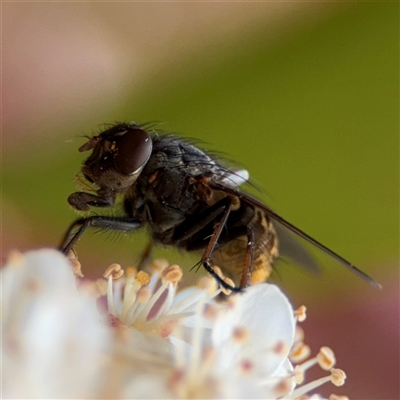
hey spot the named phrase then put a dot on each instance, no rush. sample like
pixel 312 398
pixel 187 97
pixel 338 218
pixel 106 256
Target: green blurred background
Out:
pixel 304 95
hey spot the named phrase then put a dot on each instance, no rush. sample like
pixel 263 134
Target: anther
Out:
pixel 300 313
pixel 337 397
pixel 207 283
pixel 299 352
pixel 173 273
pixel 299 334
pixel 76 265
pixel 298 375
pixel 338 376
pixel 130 272
pixel 326 358
pixel 143 278
pixel 229 282
pixel 159 264
pixel 114 270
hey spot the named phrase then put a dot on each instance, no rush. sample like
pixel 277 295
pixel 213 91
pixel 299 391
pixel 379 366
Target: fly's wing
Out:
pixel 291 248
pixel 232 178
pixel 215 184
pixel 288 245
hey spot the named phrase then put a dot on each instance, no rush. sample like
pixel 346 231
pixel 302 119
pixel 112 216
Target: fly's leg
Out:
pixel 206 259
pixel 192 227
pixel 195 224
pixel 78 228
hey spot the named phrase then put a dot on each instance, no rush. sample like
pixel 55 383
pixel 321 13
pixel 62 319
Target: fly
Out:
pixel 188 199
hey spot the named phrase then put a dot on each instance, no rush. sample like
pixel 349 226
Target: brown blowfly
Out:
pixel 188 199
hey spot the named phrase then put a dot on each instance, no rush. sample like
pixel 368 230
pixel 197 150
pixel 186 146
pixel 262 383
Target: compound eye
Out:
pixel 133 151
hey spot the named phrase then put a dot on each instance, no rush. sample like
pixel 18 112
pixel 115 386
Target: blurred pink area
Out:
pixel 63 59
pixel 365 338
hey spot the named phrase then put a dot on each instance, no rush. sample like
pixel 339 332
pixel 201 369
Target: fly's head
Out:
pixel 118 156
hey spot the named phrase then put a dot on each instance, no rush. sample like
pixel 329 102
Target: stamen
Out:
pixel 205 282
pixel 173 273
pixel 230 283
pixel 300 313
pixel 143 295
pixel 209 284
pixel 326 358
pixel 130 272
pixel 299 352
pixel 218 271
pixel 197 338
pixel 159 265
pixel 338 376
pixel 114 271
pixel 302 390
pixel 179 353
pixel 110 297
pixel 76 265
pixel 144 312
pixel 227 280
pixel 143 278
pixel 338 397
pixel 299 334
pixel 130 290
pixel 298 375
pixel 101 287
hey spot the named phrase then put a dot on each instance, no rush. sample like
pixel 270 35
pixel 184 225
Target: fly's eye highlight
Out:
pixel 133 150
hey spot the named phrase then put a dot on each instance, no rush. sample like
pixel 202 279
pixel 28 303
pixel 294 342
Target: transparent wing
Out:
pixel 214 184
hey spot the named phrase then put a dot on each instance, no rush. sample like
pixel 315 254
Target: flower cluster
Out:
pixel 132 334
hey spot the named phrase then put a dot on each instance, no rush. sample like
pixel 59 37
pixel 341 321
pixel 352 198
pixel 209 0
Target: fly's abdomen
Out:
pixel 266 248
pixel 231 257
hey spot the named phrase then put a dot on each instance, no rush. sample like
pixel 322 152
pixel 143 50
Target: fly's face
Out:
pixel 118 157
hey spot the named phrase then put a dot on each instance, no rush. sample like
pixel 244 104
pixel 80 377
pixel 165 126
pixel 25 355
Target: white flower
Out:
pixel 134 336
pixel 53 341
pixel 247 356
